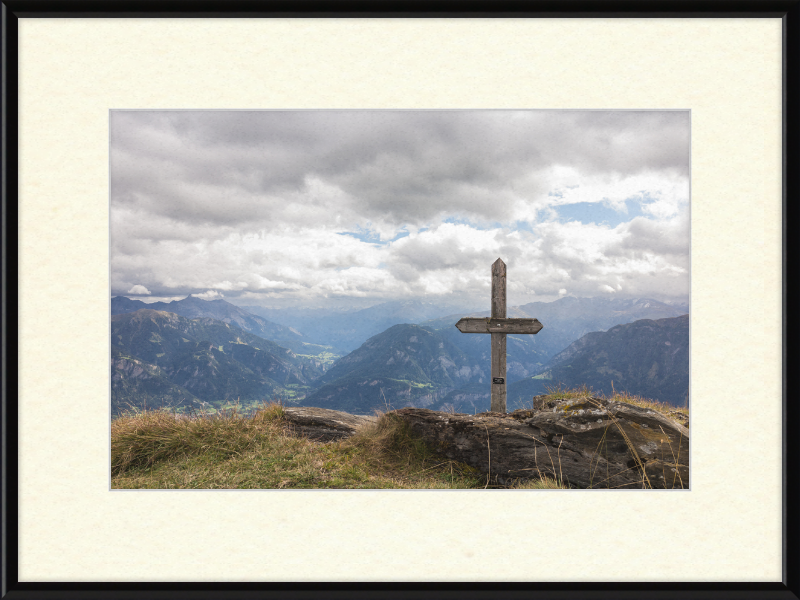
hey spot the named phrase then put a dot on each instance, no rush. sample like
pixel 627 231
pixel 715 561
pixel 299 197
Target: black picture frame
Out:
pixel 12 10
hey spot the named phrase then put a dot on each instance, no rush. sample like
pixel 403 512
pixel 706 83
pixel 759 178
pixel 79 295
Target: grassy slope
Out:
pixel 158 450
pixel 161 451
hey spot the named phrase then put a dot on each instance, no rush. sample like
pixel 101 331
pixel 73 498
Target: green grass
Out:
pixel 160 450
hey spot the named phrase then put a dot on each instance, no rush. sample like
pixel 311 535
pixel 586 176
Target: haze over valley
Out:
pixel 174 357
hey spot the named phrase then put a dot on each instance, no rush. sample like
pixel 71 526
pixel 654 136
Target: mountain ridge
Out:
pixel 442 368
pixel 221 310
pixel 209 361
pixel 648 357
pixel 402 366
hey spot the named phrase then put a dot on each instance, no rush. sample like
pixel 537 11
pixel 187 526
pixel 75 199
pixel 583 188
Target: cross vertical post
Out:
pixel 499 326
pixel 498 339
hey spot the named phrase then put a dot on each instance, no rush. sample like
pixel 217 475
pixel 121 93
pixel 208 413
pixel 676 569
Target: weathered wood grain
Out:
pixel 498 372
pixel 498 403
pixel 499 289
pixel 479 325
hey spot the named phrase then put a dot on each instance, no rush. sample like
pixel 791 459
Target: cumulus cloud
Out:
pixel 209 295
pixel 139 290
pixel 313 205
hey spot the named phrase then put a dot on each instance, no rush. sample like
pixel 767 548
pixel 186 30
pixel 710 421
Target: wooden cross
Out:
pixel 499 327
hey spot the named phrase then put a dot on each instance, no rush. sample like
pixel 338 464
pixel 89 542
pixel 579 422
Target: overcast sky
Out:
pixel 324 208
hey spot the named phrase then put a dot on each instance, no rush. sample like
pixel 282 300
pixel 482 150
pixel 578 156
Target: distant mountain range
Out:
pixel 565 320
pixel 190 352
pixel 221 310
pixel 647 358
pixel 160 358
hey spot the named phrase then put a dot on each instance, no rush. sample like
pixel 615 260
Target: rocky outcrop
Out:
pixel 585 442
pixel 322 424
pixel 681 418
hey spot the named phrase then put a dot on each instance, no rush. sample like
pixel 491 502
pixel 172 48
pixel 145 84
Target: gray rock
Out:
pixel 322 424
pixel 584 442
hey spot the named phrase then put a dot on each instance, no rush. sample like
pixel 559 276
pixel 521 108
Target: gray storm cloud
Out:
pixel 402 167
pixel 199 198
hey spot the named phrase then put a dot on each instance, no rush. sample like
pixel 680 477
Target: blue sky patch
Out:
pixel 599 213
pixel 473 224
pixel 363 235
pixel 372 237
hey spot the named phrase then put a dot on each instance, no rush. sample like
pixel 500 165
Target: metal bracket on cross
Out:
pixel 499 327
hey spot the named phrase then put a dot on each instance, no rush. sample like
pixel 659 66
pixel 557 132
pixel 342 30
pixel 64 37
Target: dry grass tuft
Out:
pixel 143 438
pixel 388 446
pixel 166 451
pixel 543 483
pixel 660 407
pixel 558 392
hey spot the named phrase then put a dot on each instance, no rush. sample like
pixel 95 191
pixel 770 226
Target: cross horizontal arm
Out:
pixel 478 325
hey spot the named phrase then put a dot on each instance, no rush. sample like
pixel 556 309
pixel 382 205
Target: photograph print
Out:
pixel 400 299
